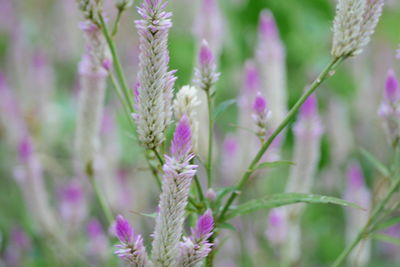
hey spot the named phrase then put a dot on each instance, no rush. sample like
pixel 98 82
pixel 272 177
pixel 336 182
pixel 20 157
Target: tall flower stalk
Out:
pixel 178 175
pixel 154 106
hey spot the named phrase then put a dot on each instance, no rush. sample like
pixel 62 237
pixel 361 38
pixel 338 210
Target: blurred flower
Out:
pixel 354 25
pixel 18 248
pixel 91 96
pixel 131 248
pixel 97 246
pixel 307 130
pixel 196 247
pixel 209 25
pixel 270 58
pixel 390 108
pixel 357 192
pixel 206 74
pixel 185 103
pixel 261 116
pixel 155 90
pixel 73 206
pixel 277 229
pixel 178 175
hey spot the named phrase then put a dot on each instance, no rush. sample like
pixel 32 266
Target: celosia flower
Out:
pixel 308 131
pixel 186 103
pixel 277 229
pixel 18 247
pixel 156 82
pixel 357 192
pixel 73 208
pixel 398 54
pixel 354 24
pixel 261 116
pixel 91 96
pixel 270 58
pixel 390 108
pixel 196 247
pixel 97 247
pixel 209 25
pixel 178 175
pixel 206 74
pixel 131 248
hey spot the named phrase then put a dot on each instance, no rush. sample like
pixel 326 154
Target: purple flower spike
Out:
pixel 268 29
pixel 205 225
pixel 181 143
pixel 398 54
pixel 94 229
pixel 252 77
pixel 355 177
pixel 123 230
pixel 206 56
pixel 25 149
pixel 309 108
pixel 260 104
pixel 392 86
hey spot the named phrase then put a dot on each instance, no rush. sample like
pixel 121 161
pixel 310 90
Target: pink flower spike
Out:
pixel 392 86
pixel 268 28
pixel 94 229
pixel 123 230
pixel 355 177
pixel 204 227
pixel 260 104
pixel 309 108
pixel 181 143
pixel 25 149
pixel 252 77
pixel 206 56
pixel 230 145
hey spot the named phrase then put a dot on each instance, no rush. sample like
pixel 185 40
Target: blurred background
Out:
pixel 40 48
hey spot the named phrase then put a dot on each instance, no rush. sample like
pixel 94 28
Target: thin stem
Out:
pixel 158 156
pixel 369 225
pixel 326 73
pixel 117 64
pixel 101 197
pixel 199 189
pixel 210 138
pixel 117 21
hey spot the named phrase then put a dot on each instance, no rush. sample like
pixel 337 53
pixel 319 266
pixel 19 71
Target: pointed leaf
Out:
pixel 223 106
pixel 387 239
pixel 387 224
pixel 375 162
pixel 273 164
pixel 283 199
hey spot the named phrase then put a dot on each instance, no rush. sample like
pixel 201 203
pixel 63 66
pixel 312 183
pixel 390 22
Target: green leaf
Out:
pixel 222 107
pixel 375 162
pixel 149 215
pixel 283 199
pixel 227 226
pixel 388 239
pixel 273 164
pixel 387 224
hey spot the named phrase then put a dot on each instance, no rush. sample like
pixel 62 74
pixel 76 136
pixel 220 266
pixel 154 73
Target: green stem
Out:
pixel 326 73
pixel 117 21
pixel 100 196
pixel 210 138
pixel 199 189
pixel 158 156
pixel 117 64
pixel 369 225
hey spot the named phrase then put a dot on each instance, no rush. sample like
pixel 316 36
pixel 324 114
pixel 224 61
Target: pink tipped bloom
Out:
pixel 309 108
pixel 270 58
pixel 392 87
pixel 131 248
pixel 206 75
pixel 97 247
pixel 268 28
pixel 181 143
pixel 355 177
pixel 154 104
pixel 309 123
pixel 261 116
pixel 123 230
pixel 390 108
pixel 25 149
pixel 195 248
pixel 277 230
pixel 204 227
pixel 18 248
pixel 398 53
pixel 178 175
pixel 73 206
pixel 252 77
